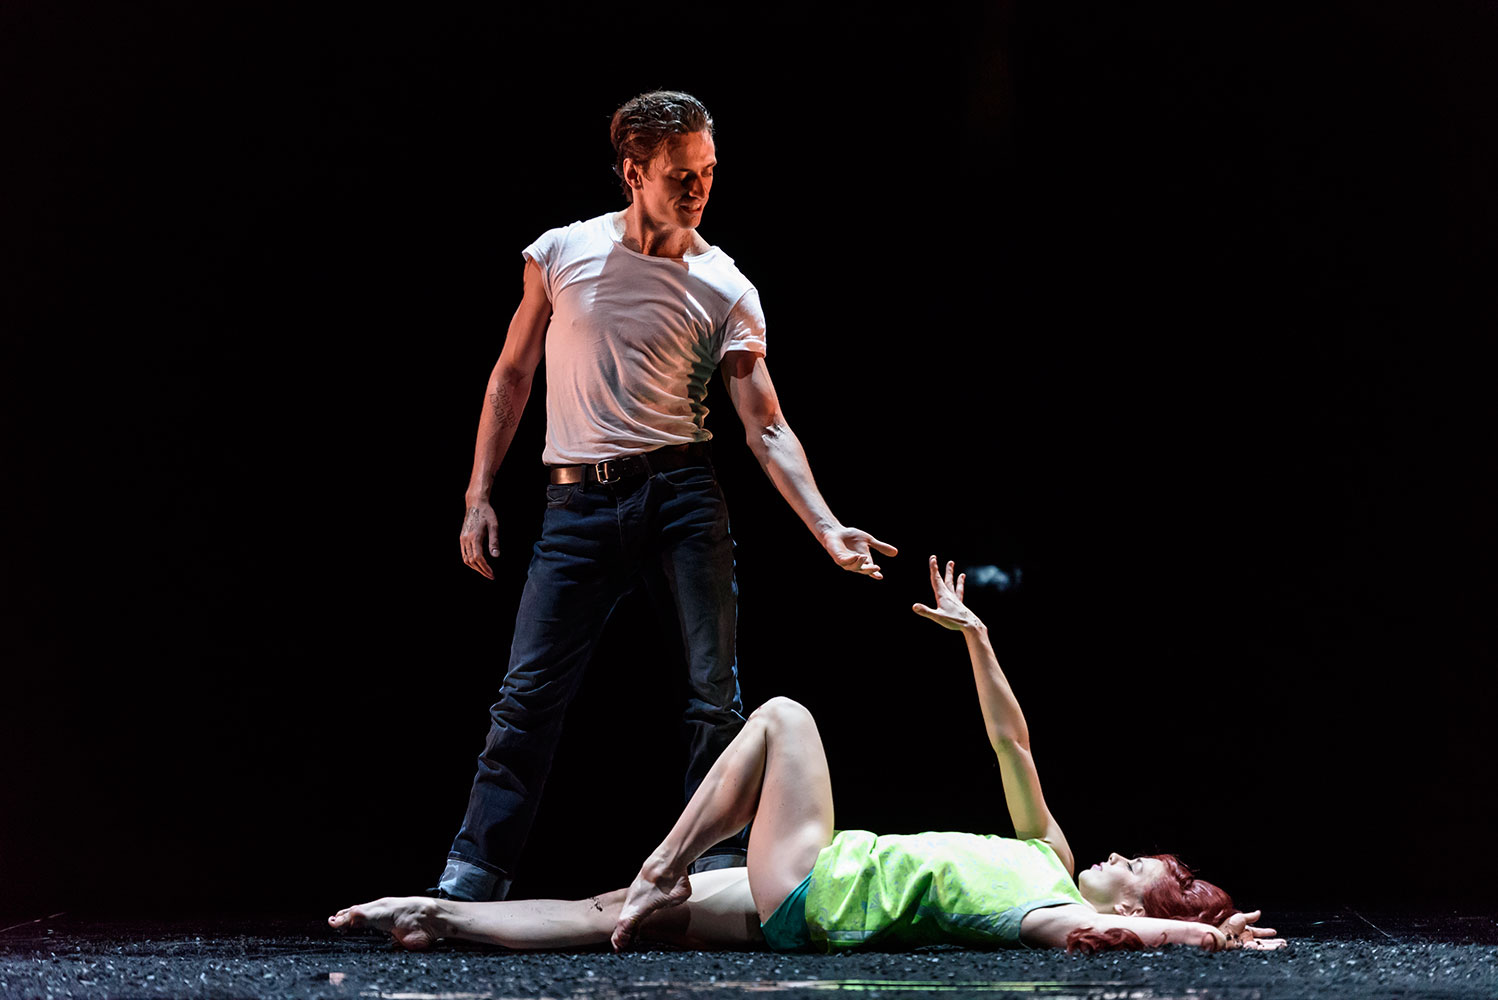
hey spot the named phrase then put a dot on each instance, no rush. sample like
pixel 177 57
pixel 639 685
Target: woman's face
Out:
pixel 1118 884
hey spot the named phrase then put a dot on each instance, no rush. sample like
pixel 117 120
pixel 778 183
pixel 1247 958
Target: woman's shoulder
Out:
pixel 1048 926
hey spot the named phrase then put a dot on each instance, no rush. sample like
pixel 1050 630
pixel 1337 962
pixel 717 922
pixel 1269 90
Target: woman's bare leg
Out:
pixel 418 921
pixel 720 914
pixel 774 773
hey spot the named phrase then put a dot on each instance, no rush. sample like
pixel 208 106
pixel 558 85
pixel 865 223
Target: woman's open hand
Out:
pixel 1240 933
pixel 949 611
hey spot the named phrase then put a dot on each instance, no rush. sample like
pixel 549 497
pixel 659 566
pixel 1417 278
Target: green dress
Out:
pixel 902 891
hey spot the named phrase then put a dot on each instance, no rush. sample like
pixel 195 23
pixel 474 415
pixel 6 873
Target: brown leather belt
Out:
pixel 676 456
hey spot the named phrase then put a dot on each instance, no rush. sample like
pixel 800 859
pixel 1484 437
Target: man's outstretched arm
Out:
pixel 781 456
pixel 504 401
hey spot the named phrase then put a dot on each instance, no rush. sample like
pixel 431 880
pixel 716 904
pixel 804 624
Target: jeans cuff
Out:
pixel 462 880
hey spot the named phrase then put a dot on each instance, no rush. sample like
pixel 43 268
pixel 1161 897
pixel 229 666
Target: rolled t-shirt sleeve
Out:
pixel 744 329
pixel 544 251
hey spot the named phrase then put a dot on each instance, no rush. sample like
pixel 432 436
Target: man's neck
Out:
pixel 645 236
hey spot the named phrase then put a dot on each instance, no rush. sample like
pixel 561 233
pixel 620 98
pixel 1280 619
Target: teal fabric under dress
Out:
pixel 786 929
pixel 903 891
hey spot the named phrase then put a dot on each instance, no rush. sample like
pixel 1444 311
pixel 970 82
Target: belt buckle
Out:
pixel 601 471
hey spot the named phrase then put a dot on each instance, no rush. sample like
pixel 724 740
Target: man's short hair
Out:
pixel 643 124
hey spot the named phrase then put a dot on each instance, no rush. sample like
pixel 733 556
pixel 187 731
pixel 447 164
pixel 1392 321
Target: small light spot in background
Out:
pixel 993 578
pixel 336 978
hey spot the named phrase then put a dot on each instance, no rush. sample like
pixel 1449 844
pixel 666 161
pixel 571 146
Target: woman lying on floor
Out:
pixel 806 888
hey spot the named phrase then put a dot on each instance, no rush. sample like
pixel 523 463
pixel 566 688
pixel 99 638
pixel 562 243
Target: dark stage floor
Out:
pixel 1334 954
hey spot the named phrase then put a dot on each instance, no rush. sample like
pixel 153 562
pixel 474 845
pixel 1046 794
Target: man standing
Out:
pixel 634 311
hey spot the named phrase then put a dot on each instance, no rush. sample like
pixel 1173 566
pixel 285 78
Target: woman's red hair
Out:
pixel 1177 895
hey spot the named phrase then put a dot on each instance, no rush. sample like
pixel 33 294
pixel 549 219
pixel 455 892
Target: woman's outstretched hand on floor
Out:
pixel 1241 933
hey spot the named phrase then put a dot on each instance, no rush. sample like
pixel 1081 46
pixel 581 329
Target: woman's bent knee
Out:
pixel 781 710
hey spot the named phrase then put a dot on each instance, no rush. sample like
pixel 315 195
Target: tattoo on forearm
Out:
pixel 596 904
pixel 502 402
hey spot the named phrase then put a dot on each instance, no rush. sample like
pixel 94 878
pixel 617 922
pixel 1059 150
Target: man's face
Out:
pixel 673 189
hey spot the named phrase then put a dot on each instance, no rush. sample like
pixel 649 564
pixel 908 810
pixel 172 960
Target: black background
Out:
pixel 1180 310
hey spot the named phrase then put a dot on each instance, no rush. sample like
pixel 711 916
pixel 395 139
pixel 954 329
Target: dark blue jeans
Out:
pixel 667 531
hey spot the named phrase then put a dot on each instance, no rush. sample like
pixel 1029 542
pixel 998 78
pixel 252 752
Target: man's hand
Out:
pixel 1240 933
pixel 949 611
pixel 849 548
pixel 480 535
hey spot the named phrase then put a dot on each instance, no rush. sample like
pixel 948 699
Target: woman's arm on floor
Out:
pixel 1049 926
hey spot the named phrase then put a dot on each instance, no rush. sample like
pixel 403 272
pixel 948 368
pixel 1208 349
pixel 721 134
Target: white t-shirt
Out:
pixel 633 341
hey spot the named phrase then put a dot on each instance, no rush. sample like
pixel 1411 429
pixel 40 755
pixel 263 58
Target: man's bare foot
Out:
pixel 650 891
pixel 414 921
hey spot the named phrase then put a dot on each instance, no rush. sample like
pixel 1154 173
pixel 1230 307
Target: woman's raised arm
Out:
pixel 1008 733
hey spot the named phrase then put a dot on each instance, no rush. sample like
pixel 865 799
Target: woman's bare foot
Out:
pixel 652 889
pixel 414 921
